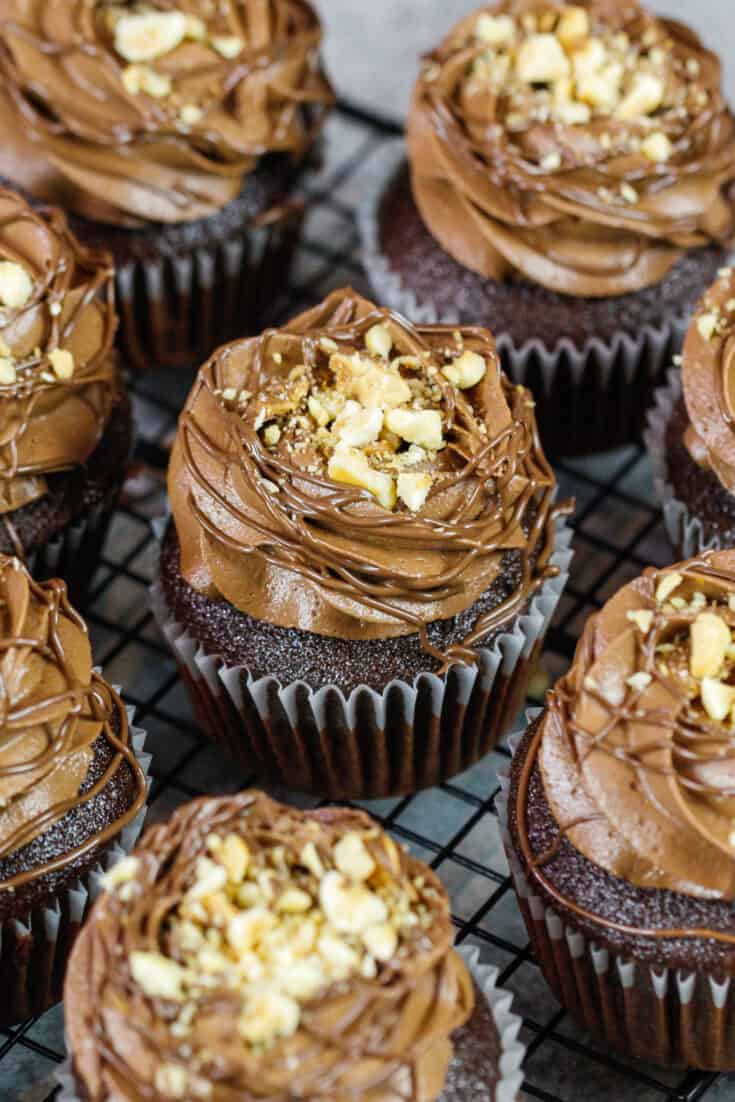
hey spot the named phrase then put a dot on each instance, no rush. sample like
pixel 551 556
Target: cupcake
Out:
pixel 364 552
pixel 569 185
pixel 248 949
pixel 691 436
pixel 172 136
pixel 65 424
pixel 620 821
pixel 72 786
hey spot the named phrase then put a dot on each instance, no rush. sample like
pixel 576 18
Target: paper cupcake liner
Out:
pixel 34 950
pixel 176 308
pixel 366 744
pixel 74 553
pixel 660 1015
pixel 508 1025
pixel 589 398
pixel 688 534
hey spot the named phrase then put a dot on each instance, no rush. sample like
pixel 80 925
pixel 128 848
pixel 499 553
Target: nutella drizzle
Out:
pixel 58 715
pixel 309 506
pixel 690 742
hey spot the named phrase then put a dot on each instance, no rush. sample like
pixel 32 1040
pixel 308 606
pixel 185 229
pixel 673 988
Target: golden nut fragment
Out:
pixel 707 325
pixel 541 60
pixel 16 286
pixel 573 25
pixel 350 467
pixel 381 941
pixel 495 30
pixel 121 873
pixel 645 97
pixel 668 585
pixel 8 374
pixel 469 368
pixel 413 489
pixel 352 858
pixel 717 698
pixel 349 906
pixel 268 1016
pixel 235 856
pixel 62 363
pixel 657 147
pixel 642 618
pixel 172 1080
pixel 147 36
pixel 157 976
pixel 228 45
pixel 423 427
pixel 710 640
pixel 379 342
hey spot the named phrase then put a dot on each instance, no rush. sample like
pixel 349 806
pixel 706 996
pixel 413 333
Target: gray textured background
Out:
pixel 373 45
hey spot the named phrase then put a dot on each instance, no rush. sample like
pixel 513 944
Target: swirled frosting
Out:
pixel 636 744
pixel 251 950
pixel 708 381
pixel 58 375
pixel 53 710
pixel 359 477
pixel 584 147
pixel 129 113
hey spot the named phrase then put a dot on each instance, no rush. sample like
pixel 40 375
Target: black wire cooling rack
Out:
pixel 454 828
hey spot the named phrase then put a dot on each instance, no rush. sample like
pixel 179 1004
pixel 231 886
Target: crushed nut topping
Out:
pixel 274 926
pixel 370 414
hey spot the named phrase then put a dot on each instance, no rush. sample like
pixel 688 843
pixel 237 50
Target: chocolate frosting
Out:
pixel 508 187
pixel 379 1038
pixel 268 530
pixel 637 773
pixel 53 708
pixel 170 139
pixel 51 417
pixel 708 381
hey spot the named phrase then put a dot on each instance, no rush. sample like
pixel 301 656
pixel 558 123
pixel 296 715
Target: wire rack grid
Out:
pixel 454 828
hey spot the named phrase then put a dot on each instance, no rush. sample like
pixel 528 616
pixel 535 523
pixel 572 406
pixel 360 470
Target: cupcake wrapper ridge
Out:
pixel 687 533
pixel 660 1015
pixel 34 950
pixel 508 1025
pixel 602 387
pixel 367 744
pixel 176 308
pixel 74 553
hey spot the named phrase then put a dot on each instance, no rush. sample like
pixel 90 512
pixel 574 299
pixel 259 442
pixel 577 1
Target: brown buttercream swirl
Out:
pixel 708 381
pixel 170 138
pixel 378 1035
pixel 58 373
pixel 53 711
pixel 268 529
pixel 637 744
pixel 577 199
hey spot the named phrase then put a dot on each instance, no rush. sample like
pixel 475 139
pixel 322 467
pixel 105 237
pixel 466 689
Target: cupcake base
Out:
pixel 592 364
pixel 317 726
pixel 487 1053
pixel 39 921
pixel 699 512
pixel 62 534
pixel 184 289
pixel 617 956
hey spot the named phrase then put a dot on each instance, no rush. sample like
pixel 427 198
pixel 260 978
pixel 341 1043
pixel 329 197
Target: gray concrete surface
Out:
pixel 373 45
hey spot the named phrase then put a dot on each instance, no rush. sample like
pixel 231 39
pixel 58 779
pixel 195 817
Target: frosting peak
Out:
pixel 153 112
pixel 383 468
pixel 290 955
pixel 636 749
pixel 586 146
pixel 58 374
pixel 53 708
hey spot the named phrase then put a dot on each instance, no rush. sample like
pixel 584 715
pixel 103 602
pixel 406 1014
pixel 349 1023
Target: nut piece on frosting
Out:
pixel 274 920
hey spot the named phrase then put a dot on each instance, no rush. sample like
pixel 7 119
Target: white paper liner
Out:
pixel 362 745
pixel 657 1014
pixel 56 923
pixel 649 351
pixel 689 536
pixel 507 1024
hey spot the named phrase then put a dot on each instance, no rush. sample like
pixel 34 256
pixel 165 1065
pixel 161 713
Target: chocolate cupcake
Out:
pixel 364 553
pixel 72 787
pixel 569 185
pixel 691 438
pixel 172 136
pixel 619 821
pixel 249 949
pixel 65 423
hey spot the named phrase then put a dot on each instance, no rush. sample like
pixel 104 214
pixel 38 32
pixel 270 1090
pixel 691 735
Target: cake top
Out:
pixel 157 111
pixel 585 146
pixel 63 731
pixel 636 744
pixel 389 467
pixel 58 376
pixel 708 380
pixel 305 953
